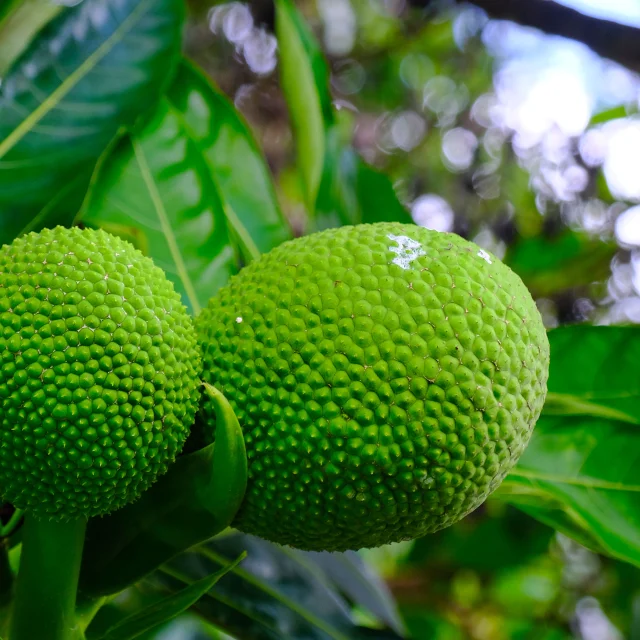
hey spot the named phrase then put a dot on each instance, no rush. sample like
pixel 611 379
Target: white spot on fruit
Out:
pixel 408 250
pixel 427 481
pixel 485 256
pixel 239 319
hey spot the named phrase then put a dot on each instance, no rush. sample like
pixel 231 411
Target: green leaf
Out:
pixel 549 511
pixel 597 365
pixel 275 594
pixel 188 188
pixel 234 160
pixel 568 405
pixel 571 259
pixel 91 70
pixel 613 113
pixel 20 20
pixel 340 187
pixel 581 470
pixel 166 609
pixel 155 189
pixel 228 482
pixel 354 192
pixel 197 499
pixel 590 467
pixel 377 198
pixel 304 78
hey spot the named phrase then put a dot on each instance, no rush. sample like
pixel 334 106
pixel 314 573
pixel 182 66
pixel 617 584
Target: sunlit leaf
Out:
pixel 340 187
pixel 234 160
pixel 91 70
pixel 156 183
pixel 581 470
pixel 614 113
pixel 597 365
pixel 304 78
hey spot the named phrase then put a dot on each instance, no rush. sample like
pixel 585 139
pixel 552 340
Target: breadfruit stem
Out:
pixel 47 582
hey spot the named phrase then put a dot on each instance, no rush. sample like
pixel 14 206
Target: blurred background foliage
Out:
pixel 524 142
pixel 529 145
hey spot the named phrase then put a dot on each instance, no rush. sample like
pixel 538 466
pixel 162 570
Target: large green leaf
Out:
pixel 275 594
pixel 234 160
pixel 188 189
pixel 581 470
pixel 162 611
pixel 598 366
pixel 91 70
pixel 195 500
pixel 155 189
pixel 305 81
pixel 584 471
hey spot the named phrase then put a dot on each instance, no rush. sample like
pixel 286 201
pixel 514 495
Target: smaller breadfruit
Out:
pixel 99 373
pixel 386 378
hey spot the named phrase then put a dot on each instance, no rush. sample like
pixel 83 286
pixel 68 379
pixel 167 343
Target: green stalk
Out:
pixel 47 582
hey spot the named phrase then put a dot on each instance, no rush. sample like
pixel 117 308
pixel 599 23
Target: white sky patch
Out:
pixel 628 227
pixel 239 319
pixel 625 11
pixel 408 250
pixel 485 256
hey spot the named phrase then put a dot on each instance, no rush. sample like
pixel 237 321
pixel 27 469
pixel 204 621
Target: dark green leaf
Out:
pixel 549 265
pixel 305 82
pixel 234 160
pixel 581 470
pixel 377 198
pixel 353 577
pixel 166 609
pixel 156 190
pixel 590 467
pixel 353 192
pixel 91 70
pixel 337 202
pixel 597 365
pixel 274 595
pixel 195 500
pixel 551 512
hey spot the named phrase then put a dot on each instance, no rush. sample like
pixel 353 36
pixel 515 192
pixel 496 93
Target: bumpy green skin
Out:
pixel 387 377
pixel 99 369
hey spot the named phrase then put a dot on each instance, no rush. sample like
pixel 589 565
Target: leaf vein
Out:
pixel 593 483
pixel 165 225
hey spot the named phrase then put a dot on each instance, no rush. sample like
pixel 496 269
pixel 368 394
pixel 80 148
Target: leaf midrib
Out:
pixel 587 483
pixel 167 231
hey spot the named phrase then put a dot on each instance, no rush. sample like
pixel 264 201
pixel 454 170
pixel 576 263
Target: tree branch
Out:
pixel 609 39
